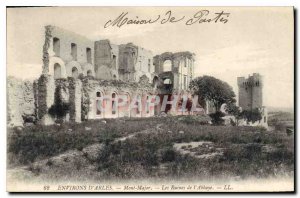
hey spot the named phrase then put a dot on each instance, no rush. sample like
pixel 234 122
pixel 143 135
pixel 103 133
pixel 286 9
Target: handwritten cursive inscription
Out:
pixel 202 16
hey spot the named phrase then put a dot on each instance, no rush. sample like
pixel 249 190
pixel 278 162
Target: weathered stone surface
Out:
pixel 181 70
pixel 78 72
pixel 20 101
pixel 75 87
pixel 45 98
pixel 46 47
pixel 134 62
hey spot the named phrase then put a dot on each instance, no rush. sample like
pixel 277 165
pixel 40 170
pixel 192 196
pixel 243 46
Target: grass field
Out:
pixel 151 149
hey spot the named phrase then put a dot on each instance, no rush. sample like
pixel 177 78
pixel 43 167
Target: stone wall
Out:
pixel 108 88
pixel 58 53
pixel 106 60
pixel 182 67
pixel 135 62
pixel 66 38
pixel 20 101
pixel 76 69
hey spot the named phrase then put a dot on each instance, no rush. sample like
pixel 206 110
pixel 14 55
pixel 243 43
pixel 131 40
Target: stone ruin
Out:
pixel 251 97
pixel 77 72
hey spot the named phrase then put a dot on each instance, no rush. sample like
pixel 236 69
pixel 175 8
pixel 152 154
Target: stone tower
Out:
pixel 250 92
pixel 251 97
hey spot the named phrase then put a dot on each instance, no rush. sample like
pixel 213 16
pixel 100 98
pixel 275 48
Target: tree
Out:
pixel 233 109
pixel 212 89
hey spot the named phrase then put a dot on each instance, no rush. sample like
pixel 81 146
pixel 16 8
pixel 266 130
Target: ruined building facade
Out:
pixel 78 72
pixel 176 70
pixel 251 95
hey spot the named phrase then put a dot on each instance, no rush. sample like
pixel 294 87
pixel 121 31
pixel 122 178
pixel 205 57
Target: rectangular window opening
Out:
pixel 88 55
pixel 56 46
pixel 74 51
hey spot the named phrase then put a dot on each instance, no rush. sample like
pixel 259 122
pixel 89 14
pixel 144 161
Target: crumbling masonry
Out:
pixel 79 71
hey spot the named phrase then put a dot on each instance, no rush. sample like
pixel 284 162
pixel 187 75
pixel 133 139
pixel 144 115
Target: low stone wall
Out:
pixel 41 97
pixel 20 101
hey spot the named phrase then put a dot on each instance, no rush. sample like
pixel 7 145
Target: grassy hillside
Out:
pixel 168 147
pixel 27 144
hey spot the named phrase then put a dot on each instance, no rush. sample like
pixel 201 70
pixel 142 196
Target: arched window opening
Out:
pixel 89 73
pixel 167 81
pixel 98 103
pixel 57 71
pixel 167 66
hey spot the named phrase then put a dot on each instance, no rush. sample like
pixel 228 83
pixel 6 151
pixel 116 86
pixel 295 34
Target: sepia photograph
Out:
pixel 150 99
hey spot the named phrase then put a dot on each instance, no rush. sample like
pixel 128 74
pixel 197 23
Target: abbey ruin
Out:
pixel 80 75
pixel 78 72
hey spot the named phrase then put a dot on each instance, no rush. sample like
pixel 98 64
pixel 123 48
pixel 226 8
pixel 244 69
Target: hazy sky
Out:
pixel 254 39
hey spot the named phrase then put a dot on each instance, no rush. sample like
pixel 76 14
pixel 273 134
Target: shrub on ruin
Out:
pixel 60 108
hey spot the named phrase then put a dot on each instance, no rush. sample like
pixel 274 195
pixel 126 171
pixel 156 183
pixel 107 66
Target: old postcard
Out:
pixel 150 99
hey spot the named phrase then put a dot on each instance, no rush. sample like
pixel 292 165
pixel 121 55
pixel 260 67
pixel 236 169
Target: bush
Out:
pixel 252 115
pixel 217 118
pixel 168 155
pixel 60 108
